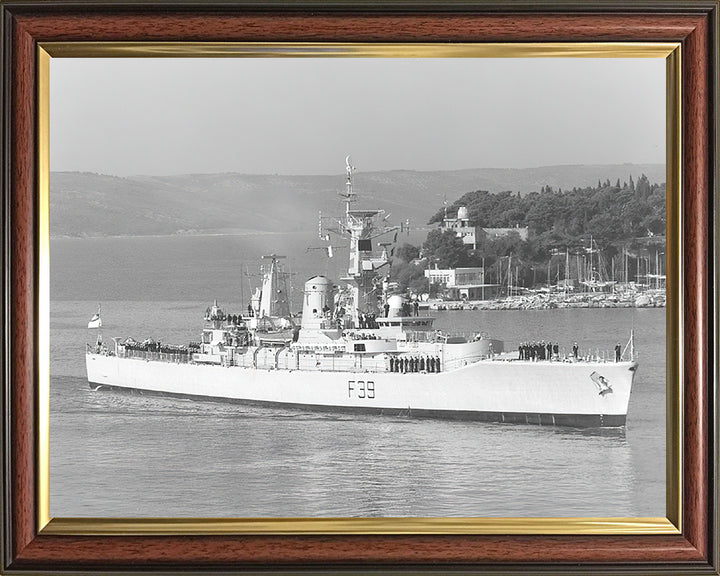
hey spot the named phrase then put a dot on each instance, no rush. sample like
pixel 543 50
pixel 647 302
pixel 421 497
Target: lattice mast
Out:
pixel 364 275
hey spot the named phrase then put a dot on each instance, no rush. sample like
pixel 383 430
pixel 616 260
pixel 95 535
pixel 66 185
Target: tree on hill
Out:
pixel 445 249
pixel 631 215
pixel 642 188
pixel 409 276
pixel 486 209
pixel 407 252
pixel 609 212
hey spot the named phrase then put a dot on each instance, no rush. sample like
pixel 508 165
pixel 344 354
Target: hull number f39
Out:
pixel 361 389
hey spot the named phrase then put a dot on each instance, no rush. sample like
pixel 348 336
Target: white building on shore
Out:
pixel 462 283
pixel 470 234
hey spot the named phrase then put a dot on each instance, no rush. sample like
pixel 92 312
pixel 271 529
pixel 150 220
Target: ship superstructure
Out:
pixel 360 348
pixel 269 310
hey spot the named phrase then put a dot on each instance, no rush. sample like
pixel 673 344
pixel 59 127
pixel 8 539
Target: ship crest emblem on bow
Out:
pixel 602 383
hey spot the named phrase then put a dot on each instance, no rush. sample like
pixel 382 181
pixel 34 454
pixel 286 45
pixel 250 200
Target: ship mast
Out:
pixel 361 227
pixel 567 269
pixel 349 194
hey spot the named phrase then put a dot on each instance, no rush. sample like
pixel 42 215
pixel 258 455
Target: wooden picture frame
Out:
pixel 31 546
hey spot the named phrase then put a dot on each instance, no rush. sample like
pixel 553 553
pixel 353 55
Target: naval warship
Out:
pixel 360 348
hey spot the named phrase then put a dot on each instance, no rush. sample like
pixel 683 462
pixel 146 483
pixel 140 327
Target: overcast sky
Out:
pixel 303 116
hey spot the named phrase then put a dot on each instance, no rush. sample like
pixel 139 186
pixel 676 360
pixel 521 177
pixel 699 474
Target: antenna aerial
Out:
pixel 349 194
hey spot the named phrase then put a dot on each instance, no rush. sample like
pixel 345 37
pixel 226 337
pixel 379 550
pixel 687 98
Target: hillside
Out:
pixel 88 204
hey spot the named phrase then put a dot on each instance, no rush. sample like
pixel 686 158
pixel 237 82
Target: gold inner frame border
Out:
pixel 671 524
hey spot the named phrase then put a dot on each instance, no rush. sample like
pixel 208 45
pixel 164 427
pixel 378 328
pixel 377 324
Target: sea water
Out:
pixel 122 454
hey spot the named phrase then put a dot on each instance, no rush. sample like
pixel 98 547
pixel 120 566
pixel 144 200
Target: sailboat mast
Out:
pixel 510 275
pixel 557 278
pixel 577 265
pixel 567 267
pixel 483 278
pixel 625 265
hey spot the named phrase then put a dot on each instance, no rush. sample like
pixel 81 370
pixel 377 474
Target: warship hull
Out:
pixel 360 347
pixel 516 391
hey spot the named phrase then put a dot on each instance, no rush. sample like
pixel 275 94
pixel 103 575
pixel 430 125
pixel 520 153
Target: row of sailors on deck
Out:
pixel 539 351
pixel 415 364
pixel 366 320
pixel 361 336
pixel 218 314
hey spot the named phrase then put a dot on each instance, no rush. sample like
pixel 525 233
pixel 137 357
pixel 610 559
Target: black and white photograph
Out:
pixel 353 287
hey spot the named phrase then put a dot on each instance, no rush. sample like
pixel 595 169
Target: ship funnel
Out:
pixel 317 303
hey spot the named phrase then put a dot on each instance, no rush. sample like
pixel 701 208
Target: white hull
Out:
pixel 561 393
pixel 359 348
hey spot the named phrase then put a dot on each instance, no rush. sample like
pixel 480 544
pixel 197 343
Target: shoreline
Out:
pixel 585 300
